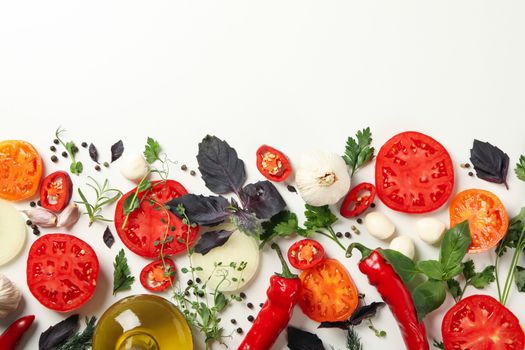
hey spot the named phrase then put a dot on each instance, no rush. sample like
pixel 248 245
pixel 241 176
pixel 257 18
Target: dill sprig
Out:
pixel 353 342
pixel 104 196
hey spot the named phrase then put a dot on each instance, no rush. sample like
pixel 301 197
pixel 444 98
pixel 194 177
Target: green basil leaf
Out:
pixel 453 249
pixel 428 296
pixel 404 266
pixel 431 268
pixel 519 278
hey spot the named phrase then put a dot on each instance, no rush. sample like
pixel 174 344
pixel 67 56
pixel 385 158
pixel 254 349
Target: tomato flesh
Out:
pixel 62 271
pixel 487 217
pixel 358 200
pixel 20 170
pixel 328 294
pixel 305 254
pixel 481 322
pixel 158 275
pixel 150 223
pixel 273 164
pixel 414 173
pixel 56 191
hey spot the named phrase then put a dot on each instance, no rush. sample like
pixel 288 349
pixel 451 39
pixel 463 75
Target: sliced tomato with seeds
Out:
pixel 359 199
pixel 481 322
pixel 273 164
pixel 487 218
pixel 414 173
pixel 305 254
pixel 20 170
pixel 56 191
pixel 158 275
pixel 328 294
pixel 151 223
pixel 62 271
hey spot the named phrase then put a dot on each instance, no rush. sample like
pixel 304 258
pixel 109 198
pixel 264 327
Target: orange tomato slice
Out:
pixel 328 293
pixel 486 215
pixel 20 170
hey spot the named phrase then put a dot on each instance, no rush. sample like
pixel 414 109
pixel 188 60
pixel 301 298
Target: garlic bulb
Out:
pixel 69 216
pixel 322 178
pixel 9 297
pixel 41 217
pixel 135 168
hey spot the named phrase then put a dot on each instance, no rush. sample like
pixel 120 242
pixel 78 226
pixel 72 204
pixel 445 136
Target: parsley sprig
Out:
pixel 76 167
pixel 359 151
pixel 122 279
pixel 478 280
pixel 520 168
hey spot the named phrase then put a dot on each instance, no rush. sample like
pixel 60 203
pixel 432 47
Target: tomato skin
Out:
pixel 414 173
pixel 62 271
pixel 328 293
pixel 481 322
pixel 488 219
pixel 22 167
pixel 144 225
pixel 151 270
pixel 355 205
pixel 264 160
pixel 300 251
pixel 57 184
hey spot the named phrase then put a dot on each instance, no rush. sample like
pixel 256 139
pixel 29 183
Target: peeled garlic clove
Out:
pixel 9 297
pixel 135 168
pixel 404 245
pixel 379 226
pixel 41 217
pixel 69 216
pixel 430 230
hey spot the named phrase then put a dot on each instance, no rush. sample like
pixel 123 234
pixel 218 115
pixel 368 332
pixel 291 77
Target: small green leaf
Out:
pixel 282 224
pixel 151 151
pixel 431 268
pixel 76 168
pixel 454 288
pixel 484 278
pixel 404 266
pixel 469 269
pixel 130 204
pixel 519 278
pixel 428 296
pixel 318 217
pixel 121 275
pixel 358 151
pixel 454 247
pixel 520 169
pixel 220 301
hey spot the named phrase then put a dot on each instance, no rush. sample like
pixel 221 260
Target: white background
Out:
pixel 293 74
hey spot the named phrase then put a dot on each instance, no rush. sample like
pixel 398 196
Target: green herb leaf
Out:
pixel 454 247
pixel 220 301
pixel 152 150
pixel 438 344
pixel 482 279
pixel 318 217
pixel 431 268
pixel 282 224
pixel 468 269
pixel 428 296
pixel 130 204
pixel 404 266
pixel 454 288
pixel 520 169
pixel 359 152
pixel 353 342
pixel 519 278
pixel 122 279
pixel 82 340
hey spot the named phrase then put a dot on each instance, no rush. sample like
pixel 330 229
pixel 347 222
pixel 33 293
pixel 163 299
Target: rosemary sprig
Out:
pixel 81 340
pixel 76 167
pixel 353 342
pixel 104 196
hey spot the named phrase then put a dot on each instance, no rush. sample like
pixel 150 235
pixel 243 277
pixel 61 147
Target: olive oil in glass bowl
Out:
pixel 142 322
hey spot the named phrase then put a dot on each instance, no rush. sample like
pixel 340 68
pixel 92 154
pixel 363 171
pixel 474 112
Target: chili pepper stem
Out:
pixel 364 250
pixel 286 270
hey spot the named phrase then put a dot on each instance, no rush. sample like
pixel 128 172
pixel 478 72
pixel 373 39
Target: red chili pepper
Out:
pixel 356 201
pixel 394 292
pixel 56 191
pixel 273 164
pixel 276 313
pixel 14 332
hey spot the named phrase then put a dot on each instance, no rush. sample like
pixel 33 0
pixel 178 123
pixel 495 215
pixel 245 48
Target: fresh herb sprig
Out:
pixel 520 168
pixel 353 342
pixel 438 344
pixel 105 196
pixel 82 340
pixel 478 280
pixel 76 167
pixel 359 151
pixel 122 279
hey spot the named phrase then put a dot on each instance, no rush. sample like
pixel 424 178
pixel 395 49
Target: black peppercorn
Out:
pixel 190 282
pixel 32 204
pixel 291 189
pixel 198 280
pixel 373 205
pixel 251 318
pixel 239 330
pixel 250 305
pixel 64 154
pixel 359 221
pixel 187 293
pixel 39 203
pixel 33 226
pixel 261 304
pixel 233 321
pixel 200 293
pixel 242 295
pixel 470 173
pixel 56 142
pixel 339 235
pixel 192 173
pixel 83 144
pixel 53 148
pixel 347 234
pixel 97 167
pixel 36 232
pixel 184 167
pixel 54 159
pixel 29 223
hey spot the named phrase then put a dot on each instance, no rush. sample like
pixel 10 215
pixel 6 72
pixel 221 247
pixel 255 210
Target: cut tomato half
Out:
pixel 358 200
pixel 305 254
pixel 56 191
pixel 158 275
pixel 150 223
pixel 414 173
pixel 273 164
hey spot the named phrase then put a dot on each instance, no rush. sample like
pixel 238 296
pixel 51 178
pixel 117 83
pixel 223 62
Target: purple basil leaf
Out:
pixel 344 325
pixel 490 162
pixel 116 151
pixel 202 210
pixel 303 340
pixel 247 223
pixel 212 239
pixel 108 237
pixel 364 312
pixel 93 153
pixel 57 334
pixel 222 171
pixel 263 199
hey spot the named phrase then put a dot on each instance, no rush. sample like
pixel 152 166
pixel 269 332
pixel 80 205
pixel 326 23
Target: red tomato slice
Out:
pixel 158 275
pixel 481 322
pixel 62 271
pixel 273 164
pixel 147 224
pixel 305 254
pixel 414 173
pixel 358 200
pixel 56 191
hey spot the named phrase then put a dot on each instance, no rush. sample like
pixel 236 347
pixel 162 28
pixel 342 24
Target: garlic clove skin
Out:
pixel 41 217
pixel 430 230
pixel 69 216
pixel 322 178
pixel 135 168
pixel 10 297
pixel 404 245
pixel 379 226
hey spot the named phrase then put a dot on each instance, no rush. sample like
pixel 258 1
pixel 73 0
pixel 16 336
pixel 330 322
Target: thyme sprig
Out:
pixel 76 167
pixel 105 196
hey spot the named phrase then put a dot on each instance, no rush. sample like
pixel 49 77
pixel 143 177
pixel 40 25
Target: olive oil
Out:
pixel 142 322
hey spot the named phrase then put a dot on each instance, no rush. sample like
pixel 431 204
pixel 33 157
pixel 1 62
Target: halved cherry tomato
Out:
pixel 147 224
pixel 157 276
pixel 56 191
pixel 358 200
pixel 328 294
pixel 486 215
pixel 305 254
pixel 414 173
pixel 20 170
pixel 481 322
pixel 62 271
pixel 273 164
